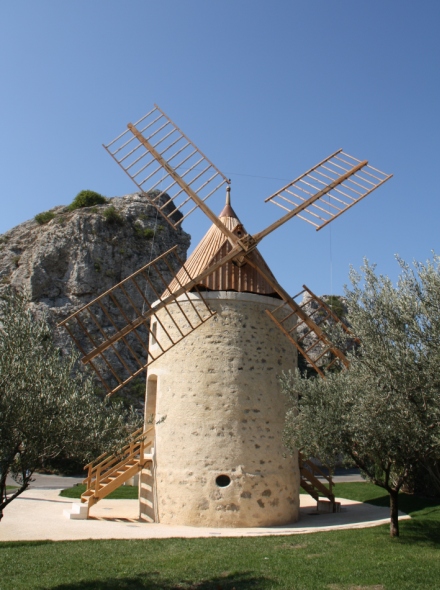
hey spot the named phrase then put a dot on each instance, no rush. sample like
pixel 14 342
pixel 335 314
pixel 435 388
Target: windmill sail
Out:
pixel 312 332
pixel 160 159
pixel 327 190
pixel 113 331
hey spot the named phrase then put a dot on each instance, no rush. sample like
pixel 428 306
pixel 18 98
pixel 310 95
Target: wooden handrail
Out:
pixel 111 462
pixel 316 469
pixel 137 434
pixel 313 469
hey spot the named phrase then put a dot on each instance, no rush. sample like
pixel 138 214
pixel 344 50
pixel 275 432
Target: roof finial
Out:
pixel 228 195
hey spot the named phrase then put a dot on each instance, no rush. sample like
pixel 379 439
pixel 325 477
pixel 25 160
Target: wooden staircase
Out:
pixel 111 470
pixel 310 483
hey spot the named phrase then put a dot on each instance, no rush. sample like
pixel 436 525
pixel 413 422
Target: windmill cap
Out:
pixel 228 211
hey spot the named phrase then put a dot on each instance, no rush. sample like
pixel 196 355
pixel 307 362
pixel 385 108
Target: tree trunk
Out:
pixel 394 517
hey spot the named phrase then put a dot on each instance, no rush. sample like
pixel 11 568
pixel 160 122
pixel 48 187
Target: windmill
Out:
pixel 186 324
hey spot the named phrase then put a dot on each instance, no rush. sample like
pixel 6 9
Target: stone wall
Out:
pixel 221 413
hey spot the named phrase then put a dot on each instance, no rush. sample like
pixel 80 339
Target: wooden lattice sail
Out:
pixel 312 332
pixel 112 331
pixel 160 159
pixel 327 190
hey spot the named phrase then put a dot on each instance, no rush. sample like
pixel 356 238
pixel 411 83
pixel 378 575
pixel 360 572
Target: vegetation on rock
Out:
pixel 64 267
pixel 336 304
pixel 112 215
pixel 144 232
pixel 87 198
pixel 45 217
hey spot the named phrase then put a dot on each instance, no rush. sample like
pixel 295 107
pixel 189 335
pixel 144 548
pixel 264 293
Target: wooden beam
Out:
pixel 299 312
pixel 259 236
pixel 189 191
pixel 163 303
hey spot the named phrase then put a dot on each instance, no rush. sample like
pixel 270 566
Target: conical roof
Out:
pixel 229 277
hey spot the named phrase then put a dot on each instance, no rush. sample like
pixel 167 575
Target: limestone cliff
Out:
pixel 68 261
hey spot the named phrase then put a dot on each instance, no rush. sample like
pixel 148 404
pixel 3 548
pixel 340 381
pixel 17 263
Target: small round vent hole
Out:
pixel 223 481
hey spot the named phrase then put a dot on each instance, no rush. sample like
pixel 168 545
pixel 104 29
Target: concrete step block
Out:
pixel 77 512
pixel 325 506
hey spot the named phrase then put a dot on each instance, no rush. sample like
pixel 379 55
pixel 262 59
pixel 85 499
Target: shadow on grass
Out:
pixel 16 545
pixel 154 581
pixel 421 532
pixel 407 503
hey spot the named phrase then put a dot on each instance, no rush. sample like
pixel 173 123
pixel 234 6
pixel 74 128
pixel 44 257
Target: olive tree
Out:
pixel 383 413
pixel 47 407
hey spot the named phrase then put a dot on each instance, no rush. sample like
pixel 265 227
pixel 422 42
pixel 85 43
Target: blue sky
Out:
pixel 265 89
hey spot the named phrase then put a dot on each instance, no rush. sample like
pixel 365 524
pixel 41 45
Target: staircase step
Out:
pixel 77 512
pixel 310 490
pixel 115 470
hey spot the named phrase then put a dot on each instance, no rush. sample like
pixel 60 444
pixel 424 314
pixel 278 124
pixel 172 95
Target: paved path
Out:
pixel 38 515
pixel 46 482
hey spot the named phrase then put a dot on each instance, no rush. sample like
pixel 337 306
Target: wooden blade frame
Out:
pixel 161 160
pixel 310 333
pixel 112 331
pixel 327 190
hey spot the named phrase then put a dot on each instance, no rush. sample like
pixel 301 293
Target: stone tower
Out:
pixel 218 410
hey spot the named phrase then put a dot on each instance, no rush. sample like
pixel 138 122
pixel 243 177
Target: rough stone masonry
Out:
pixel 67 262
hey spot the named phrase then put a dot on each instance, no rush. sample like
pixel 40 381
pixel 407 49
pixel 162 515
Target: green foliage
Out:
pixel 47 408
pixel 344 559
pixel 143 232
pixel 112 215
pixel 86 198
pixel 16 261
pixel 383 414
pixel 137 388
pixel 336 304
pixel 45 217
pixel 121 493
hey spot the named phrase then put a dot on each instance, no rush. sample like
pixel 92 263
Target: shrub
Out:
pixel 113 216
pixel 336 305
pixel 146 232
pixel 44 217
pixel 87 198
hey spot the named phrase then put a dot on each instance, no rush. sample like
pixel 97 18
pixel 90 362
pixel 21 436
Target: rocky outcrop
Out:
pixel 65 263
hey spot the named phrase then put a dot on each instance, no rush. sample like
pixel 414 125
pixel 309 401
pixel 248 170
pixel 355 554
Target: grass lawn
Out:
pixel 122 493
pixel 358 559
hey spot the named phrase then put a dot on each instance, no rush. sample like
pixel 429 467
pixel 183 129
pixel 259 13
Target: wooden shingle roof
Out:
pixel 229 277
